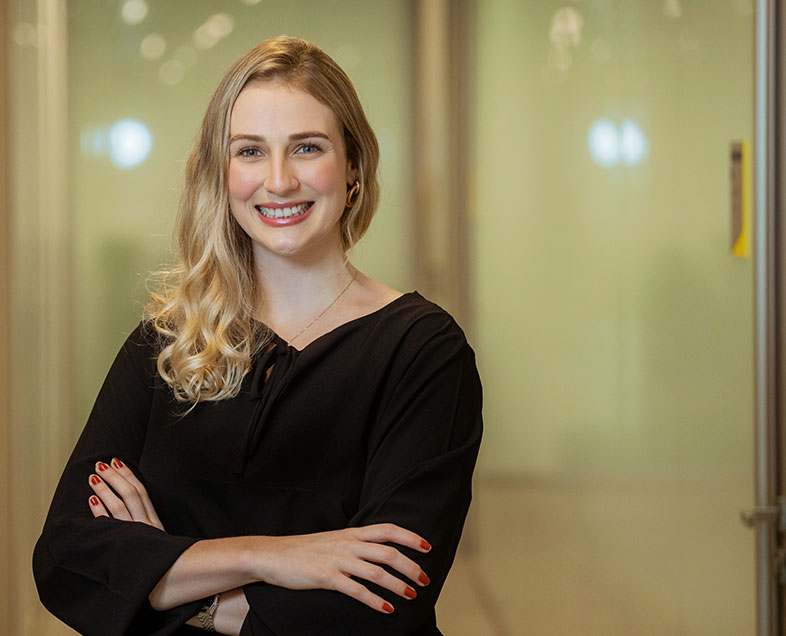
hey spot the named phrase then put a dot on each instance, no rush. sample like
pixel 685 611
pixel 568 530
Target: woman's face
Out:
pixel 288 171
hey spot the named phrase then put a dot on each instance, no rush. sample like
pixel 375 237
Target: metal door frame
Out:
pixel 769 296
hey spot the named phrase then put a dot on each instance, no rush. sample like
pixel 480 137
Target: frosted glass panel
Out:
pixel 615 328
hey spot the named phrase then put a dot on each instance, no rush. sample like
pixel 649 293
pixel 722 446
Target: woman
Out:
pixel 277 448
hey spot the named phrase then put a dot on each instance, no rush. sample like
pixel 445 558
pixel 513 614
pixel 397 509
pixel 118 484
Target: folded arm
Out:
pixel 325 560
pixel 420 458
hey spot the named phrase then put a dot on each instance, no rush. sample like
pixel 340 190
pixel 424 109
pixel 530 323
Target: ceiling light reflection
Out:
pixel 152 47
pixel 134 11
pixel 566 25
pixel 220 25
pixel 609 145
pixel 217 26
pixel 171 72
pixel 127 142
pixel 633 142
pixel 130 142
pixel 203 39
pixel 604 142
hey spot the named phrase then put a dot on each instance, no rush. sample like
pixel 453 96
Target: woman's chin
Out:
pixel 300 250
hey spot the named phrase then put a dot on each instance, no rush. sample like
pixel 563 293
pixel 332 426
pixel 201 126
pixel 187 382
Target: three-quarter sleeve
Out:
pixel 420 458
pixel 95 574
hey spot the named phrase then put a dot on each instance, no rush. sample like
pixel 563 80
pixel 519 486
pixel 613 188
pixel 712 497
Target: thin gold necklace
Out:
pixel 324 311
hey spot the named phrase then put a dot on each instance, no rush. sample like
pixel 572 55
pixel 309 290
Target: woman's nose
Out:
pixel 281 177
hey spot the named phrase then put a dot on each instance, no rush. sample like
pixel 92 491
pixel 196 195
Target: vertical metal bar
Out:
pixel 7 578
pixel 764 290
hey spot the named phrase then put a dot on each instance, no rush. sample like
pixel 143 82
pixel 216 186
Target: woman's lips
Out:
pixel 277 215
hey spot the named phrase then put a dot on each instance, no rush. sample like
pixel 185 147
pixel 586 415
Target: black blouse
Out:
pixel 378 420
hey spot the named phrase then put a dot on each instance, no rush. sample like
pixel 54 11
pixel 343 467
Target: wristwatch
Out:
pixel 205 615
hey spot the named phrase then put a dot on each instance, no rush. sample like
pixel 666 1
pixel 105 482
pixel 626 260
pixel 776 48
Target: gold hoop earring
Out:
pixel 353 193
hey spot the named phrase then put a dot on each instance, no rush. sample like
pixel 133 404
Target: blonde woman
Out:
pixel 284 446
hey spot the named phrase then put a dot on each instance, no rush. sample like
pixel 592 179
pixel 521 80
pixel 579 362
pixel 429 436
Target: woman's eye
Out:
pixel 308 149
pixel 249 152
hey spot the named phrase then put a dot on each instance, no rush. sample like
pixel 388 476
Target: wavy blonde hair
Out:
pixel 203 309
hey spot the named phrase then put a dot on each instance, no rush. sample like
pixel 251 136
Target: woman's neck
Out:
pixel 295 290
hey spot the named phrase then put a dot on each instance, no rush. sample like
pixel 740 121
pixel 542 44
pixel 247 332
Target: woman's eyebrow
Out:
pixel 294 137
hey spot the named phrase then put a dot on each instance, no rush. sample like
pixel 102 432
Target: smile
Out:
pixel 284 213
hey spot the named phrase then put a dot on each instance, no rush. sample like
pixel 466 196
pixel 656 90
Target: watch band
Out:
pixel 205 615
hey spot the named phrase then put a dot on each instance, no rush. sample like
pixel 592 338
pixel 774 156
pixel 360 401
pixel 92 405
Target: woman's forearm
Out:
pixel 323 560
pixel 207 567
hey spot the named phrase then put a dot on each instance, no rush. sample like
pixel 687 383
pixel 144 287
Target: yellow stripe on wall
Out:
pixel 740 198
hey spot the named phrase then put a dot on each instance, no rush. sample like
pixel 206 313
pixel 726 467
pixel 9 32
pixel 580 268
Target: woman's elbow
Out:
pixel 158 598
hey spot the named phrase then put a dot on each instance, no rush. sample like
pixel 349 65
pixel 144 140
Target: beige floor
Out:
pixel 596 557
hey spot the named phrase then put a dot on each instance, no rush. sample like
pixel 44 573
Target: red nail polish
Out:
pixel 93 501
pixel 117 463
pixel 95 480
pixel 424 579
pixel 387 607
pixel 410 593
pixel 425 544
pixel 102 466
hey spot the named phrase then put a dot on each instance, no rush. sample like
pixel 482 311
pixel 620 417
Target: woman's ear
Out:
pixel 352 173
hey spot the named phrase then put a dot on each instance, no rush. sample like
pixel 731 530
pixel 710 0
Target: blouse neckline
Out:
pixel 339 328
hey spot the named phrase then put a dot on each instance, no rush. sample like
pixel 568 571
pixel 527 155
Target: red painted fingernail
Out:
pixel 95 480
pixel 425 544
pixel 387 607
pixel 410 593
pixel 102 466
pixel 93 501
pixel 117 463
pixel 424 579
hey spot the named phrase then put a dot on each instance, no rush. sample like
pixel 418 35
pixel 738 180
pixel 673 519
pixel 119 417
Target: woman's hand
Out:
pixel 324 560
pixel 328 560
pixel 118 493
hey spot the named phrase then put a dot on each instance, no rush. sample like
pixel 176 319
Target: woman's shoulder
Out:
pixel 413 320
pixel 143 338
pixel 141 348
pixel 415 307
pixel 396 314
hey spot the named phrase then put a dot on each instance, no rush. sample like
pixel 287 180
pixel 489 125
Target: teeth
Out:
pixel 283 213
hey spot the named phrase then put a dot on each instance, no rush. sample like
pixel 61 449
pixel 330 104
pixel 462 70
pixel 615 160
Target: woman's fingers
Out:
pixel 361 593
pixel 372 537
pixel 383 578
pixel 124 489
pixel 346 561
pixel 388 555
pixel 129 476
pixel 96 507
pixel 391 533
pixel 122 494
pixel 110 500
